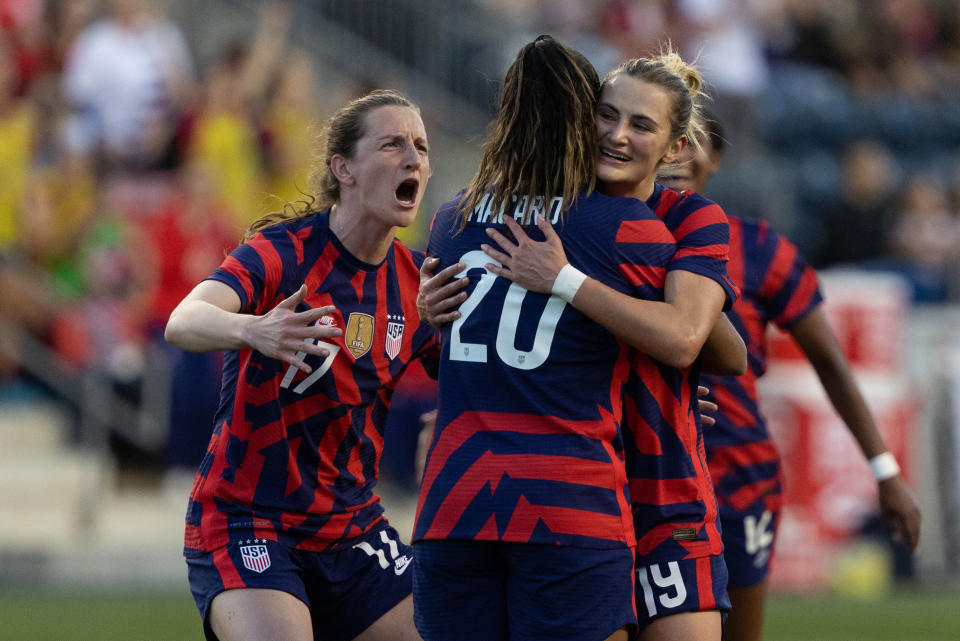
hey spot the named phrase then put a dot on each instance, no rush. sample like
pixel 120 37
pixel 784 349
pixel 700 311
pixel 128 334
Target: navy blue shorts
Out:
pixel 666 587
pixel 748 538
pixel 490 591
pixel 346 591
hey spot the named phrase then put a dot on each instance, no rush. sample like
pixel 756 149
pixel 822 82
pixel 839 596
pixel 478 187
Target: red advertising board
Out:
pixel 829 490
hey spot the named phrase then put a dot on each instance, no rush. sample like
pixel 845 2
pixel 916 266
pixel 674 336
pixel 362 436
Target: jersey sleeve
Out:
pixel 644 248
pixel 254 271
pixel 702 233
pixel 790 288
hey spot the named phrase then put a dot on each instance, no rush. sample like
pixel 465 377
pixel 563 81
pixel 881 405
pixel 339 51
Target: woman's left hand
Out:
pixel 440 294
pixel 532 264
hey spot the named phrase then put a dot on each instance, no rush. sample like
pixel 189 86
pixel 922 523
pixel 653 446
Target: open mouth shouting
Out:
pixel 407 192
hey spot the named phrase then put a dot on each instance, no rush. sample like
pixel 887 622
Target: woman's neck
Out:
pixel 363 238
pixel 641 191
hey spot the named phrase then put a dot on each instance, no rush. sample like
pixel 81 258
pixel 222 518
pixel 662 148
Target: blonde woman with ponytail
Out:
pixel 646 114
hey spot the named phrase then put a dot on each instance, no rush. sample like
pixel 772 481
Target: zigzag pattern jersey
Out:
pixel 294 457
pixel 777 287
pixel 670 487
pixel 528 446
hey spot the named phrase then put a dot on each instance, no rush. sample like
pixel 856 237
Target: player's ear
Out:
pixel 674 149
pixel 340 168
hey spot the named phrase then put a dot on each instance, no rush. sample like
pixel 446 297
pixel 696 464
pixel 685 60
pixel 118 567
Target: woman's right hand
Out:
pixel 438 296
pixel 706 407
pixel 284 333
pixel 532 264
pixel 901 511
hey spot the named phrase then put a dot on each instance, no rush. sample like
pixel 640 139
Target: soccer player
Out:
pixel 646 115
pixel 776 286
pixel 523 526
pixel 285 537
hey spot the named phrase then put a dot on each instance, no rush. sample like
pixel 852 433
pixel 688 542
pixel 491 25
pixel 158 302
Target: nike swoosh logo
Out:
pixel 401 565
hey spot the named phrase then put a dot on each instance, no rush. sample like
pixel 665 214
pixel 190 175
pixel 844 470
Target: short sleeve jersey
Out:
pixel 702 234
pixel 527 446
pixel 674 509
pixel 777 286
pixel 294 457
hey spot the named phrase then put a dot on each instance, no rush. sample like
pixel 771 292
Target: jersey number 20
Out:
pixel 461 350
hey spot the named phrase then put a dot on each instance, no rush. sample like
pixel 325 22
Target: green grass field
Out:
pixel 903 616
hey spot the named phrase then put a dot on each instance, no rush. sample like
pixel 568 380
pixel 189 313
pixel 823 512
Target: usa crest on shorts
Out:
pixel 395 326
pixel 255 557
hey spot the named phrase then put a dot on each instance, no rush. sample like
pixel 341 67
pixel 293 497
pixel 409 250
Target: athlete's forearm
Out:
pixel 661 330
pixel 198 326
pixel 815 337
pixel 208 320
pixel 899 507
pixel 846 398
pixel 724 353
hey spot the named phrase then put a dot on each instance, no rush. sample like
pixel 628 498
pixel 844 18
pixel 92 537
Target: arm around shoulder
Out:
pixel 673 331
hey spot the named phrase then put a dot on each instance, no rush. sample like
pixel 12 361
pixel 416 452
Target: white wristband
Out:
pixel 568 282
pixel 884 466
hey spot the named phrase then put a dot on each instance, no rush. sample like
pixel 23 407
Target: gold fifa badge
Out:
pixel 359 335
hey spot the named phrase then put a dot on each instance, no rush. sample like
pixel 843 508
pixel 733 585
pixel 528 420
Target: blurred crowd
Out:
pixel 906 46
pixel 127 173
pixel 128 169
pixel 845 110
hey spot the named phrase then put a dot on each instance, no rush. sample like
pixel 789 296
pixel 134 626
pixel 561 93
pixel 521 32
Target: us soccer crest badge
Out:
pixel 359 335
pixel 255 557
pixel 395 327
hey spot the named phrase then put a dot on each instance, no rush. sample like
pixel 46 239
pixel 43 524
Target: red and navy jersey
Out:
pixel 527 446
pixel 777 286
pixel 670 487
pixel 702 234
pixel 294 457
